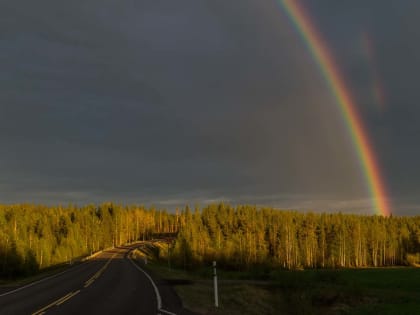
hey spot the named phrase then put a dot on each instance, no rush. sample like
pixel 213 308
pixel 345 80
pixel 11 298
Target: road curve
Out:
pixel 108 284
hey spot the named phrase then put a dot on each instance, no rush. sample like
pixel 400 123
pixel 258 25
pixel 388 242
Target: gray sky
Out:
pixel 168 103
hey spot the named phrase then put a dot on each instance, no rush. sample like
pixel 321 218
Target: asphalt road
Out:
pixel 111 283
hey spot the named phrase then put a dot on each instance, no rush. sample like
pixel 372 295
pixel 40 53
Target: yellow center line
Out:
pixel 41 311
pixel 72 294
pixel 98 273
pixel 64 297
pixel 69 297
pixel 88 283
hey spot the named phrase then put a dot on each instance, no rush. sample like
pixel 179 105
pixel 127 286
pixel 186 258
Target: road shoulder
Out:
pixel 171 302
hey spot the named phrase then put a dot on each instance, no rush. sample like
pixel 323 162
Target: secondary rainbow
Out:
pixel 331 73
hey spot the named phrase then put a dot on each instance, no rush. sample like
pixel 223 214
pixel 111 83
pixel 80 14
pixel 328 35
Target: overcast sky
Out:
pixel 193 101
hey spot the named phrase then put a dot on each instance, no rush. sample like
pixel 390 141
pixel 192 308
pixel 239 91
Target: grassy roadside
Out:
pixel 235 296
pixel 390 291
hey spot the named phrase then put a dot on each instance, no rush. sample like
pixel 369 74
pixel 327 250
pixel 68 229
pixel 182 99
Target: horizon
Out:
pixel 191 102
pixel 200 207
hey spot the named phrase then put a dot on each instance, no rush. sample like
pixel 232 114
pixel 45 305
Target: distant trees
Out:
pixel 34 236
pixel 246 236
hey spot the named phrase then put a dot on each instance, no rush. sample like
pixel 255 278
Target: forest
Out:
pixel 35 237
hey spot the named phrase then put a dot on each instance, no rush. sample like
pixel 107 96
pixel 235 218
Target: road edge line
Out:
pixel 49 277
pixel 166 312
pixel 38 281
pixel 158 297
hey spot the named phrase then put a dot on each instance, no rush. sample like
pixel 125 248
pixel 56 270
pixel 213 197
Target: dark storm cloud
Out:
pixel 183 102
pixel 394 128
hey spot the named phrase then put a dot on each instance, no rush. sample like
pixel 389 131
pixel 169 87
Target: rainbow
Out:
pixel 335 81
pixel 377 87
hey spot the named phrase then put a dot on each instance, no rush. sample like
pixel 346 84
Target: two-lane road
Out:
pixel 108 284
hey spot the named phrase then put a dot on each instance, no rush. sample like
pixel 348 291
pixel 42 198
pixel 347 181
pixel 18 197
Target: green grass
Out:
pixel 344 291
pixel 275 291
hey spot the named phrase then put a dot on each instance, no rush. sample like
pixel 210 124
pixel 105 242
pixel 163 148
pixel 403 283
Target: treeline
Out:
pixel 35 237
pixel 245 236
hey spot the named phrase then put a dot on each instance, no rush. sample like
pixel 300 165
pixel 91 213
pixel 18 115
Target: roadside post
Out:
pixel 216 294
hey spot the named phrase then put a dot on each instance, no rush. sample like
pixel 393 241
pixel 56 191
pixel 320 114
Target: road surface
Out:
pixel 110 283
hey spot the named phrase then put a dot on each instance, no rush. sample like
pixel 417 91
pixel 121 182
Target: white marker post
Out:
pixel 216 294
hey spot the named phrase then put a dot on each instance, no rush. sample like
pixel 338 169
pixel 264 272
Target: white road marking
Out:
pixel 39 281
pixel 53 276
pixel 71 294
pixel 158 297
pixel 166 312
